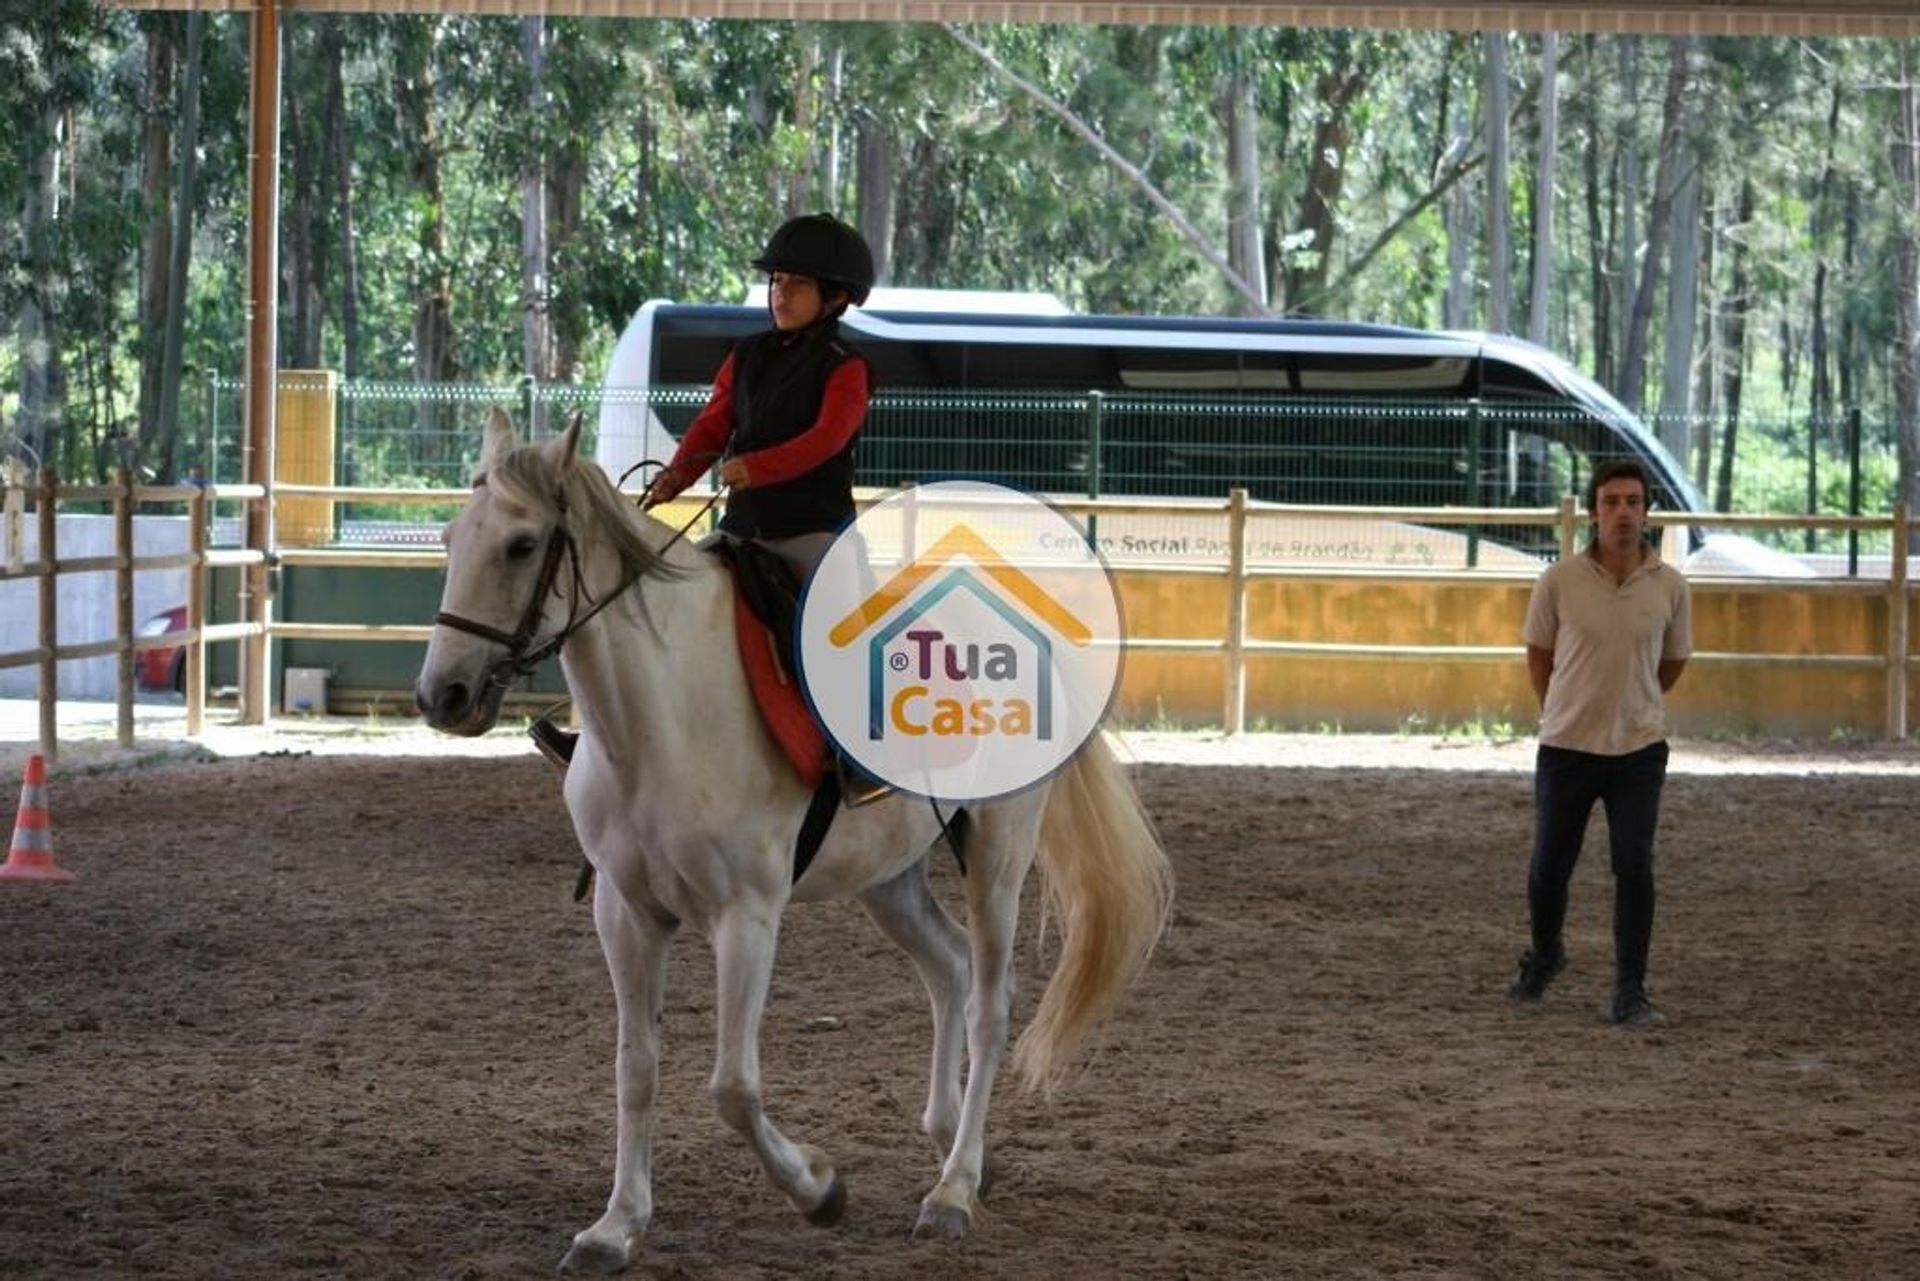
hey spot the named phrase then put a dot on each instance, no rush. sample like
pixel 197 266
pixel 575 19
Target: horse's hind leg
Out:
pixel 743 947
pixel 1000 852
pixel 635 946
pixel 907 913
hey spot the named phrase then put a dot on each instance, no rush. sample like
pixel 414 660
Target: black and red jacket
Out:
pixel 790 406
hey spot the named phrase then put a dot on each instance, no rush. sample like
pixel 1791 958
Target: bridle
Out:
pixel 522 655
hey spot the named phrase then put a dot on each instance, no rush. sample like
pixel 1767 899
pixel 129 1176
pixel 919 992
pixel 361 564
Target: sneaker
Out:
pixel 1536 971
pixel 555 744
pixel 1632 1009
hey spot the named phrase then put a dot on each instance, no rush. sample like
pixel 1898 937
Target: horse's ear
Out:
pixel 499 439
pixel 566 445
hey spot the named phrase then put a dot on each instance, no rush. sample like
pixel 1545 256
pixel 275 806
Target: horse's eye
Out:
pixel 522 547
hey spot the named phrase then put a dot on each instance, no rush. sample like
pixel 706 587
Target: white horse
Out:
pixel 688 812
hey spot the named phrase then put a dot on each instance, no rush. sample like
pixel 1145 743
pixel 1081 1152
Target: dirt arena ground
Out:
pixel 318 1016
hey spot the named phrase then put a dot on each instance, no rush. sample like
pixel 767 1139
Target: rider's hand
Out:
pixel 734 472
pixel 660 489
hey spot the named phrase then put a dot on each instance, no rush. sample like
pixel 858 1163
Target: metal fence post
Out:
pixel 1897 638
pixel 1853 489
pixel 1096 411
pixel 1473 478
pixel 1235 711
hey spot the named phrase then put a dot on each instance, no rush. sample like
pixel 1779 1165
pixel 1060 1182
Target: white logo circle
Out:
pixel 961 640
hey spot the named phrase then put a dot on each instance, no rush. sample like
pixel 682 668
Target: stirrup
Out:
pixel 555 744
pixel 859 788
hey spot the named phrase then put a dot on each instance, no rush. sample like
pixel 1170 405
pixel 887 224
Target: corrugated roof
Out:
pixel 1886 18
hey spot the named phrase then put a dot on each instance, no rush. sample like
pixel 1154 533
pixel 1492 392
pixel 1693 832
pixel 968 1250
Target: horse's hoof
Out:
pixel 942 1223
pixel 593 1259
pixel 832 1205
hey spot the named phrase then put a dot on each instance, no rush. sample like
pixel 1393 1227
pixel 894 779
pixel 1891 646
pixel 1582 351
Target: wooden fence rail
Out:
pixel 1232 641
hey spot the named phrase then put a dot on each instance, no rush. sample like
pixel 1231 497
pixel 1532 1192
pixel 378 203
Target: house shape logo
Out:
pixel 947 568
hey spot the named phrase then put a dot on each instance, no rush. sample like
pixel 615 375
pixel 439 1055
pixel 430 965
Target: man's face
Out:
pixel 1620 512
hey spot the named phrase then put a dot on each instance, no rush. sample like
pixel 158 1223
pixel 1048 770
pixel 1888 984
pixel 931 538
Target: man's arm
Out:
pixel 1670 669
pixel 1540 670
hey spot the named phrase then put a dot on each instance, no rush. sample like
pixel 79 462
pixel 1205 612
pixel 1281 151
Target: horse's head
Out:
pixel 507 598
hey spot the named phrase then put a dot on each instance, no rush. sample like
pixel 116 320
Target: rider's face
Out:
pixel 796 300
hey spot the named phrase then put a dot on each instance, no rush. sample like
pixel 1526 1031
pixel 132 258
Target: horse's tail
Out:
pixel 1111 887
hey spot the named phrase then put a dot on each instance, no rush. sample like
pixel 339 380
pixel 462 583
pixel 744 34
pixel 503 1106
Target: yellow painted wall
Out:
pixel 1376 694
pixel 303 454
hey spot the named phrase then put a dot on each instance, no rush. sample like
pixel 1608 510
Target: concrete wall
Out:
pixel 86 601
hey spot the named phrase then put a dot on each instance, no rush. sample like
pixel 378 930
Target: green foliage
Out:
pixel 669 150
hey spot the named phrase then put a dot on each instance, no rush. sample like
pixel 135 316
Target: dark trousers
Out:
pixel 1565 786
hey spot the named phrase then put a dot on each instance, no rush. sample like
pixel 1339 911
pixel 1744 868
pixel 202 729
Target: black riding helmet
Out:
pixel 821 246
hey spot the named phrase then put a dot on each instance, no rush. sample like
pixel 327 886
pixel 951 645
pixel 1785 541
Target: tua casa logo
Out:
pixel 961 640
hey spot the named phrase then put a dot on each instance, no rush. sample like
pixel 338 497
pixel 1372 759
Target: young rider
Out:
pixel 784 414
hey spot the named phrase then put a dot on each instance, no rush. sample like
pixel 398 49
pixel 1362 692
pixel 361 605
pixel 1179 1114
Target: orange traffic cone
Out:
pixel 31 858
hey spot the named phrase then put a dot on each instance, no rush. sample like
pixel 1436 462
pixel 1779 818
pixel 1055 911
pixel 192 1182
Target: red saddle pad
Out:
pixel 776 688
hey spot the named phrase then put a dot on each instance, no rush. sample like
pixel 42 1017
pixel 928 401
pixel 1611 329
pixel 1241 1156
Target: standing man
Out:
pixel 1607 634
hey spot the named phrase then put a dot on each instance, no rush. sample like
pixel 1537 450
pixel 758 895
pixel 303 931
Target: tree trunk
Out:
pixel 1735 346
pixel 1539 295
pixel 1244 248
pixel 799 185
pixel 1906 292
pixel 333 42
pixel 1707 373
pixel 1629 195
pixel 156 248
pixel 166 428
pixel 41 377
pixel 1306 272
pixel 1852 334
pixel 1328 156
pixel 1683 308
pixel 874 190
pixel 1457 304
pixel 1666 182
pixel 1600 250
pixel 432 283
pixel 1499 194
pixel 566 194
pixel 535 339
pixel 1820 229
pixel 300 234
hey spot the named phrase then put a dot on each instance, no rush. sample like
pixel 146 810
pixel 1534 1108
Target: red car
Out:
pixel 164 668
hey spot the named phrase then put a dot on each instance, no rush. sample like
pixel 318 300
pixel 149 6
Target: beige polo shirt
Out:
pixel 1608 640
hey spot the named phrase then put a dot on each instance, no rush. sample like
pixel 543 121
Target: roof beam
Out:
pixel 1796 18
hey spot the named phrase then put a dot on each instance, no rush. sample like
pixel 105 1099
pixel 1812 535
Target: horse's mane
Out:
pixel 526 475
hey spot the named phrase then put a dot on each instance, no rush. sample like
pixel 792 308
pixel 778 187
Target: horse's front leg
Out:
pixel 635 945
pixel 744 938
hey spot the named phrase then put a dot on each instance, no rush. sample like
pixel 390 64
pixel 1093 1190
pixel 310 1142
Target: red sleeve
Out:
pixel 843 407
pixel 705 437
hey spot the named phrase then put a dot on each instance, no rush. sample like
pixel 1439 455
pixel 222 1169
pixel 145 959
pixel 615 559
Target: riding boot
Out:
pixel 555 744
pixel 857 787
